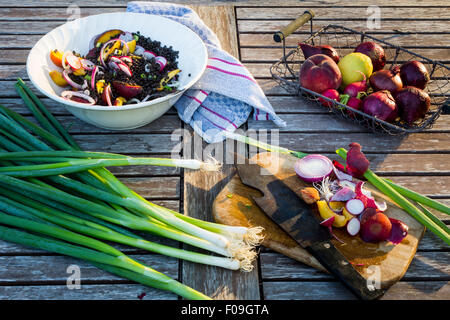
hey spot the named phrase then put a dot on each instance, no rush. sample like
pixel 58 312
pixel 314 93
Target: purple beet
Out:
pixel 414 73
pixel 413 104
pixel 381 104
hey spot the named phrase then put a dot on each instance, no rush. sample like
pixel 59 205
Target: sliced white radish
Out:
pixel 73 61
pixel 148 55
pixel 161 61
pixel 139 50
pixel 328 222
pixel 354 206
pixel 382 206
pixel 125 69
pixel 353 226
pixel 127 59
pixel 116 59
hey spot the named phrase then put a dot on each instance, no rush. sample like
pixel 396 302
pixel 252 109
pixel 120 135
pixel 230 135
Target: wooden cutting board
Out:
pixel 383 261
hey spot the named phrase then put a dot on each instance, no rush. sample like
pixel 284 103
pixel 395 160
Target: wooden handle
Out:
pixel 294 25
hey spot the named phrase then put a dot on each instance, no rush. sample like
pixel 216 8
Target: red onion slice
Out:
pixel 87 64
pixel 93 75
pixel 69 95
pixel 72 83
pixel 313 168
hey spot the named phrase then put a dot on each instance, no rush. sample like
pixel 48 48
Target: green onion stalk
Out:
pixel 222 238
pixel 397 193
pixel 196 227
pixel 17 204
pixel 91 250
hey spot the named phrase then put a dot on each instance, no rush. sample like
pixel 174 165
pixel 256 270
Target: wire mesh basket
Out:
pixel 345 40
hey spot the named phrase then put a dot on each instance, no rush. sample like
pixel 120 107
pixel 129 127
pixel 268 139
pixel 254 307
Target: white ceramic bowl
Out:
pixel 76 35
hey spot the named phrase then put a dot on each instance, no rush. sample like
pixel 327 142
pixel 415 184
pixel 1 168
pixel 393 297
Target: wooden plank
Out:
pixel 272 13
pixel 274 54
pixel 200 190
pixel 13 269
pixel 166 124
pixel 376 143
pixel 425 265
pixel 154 187
pixel 136 143
pixel 327 122
pixel 404 26
pixel 413 40
pixel 87 292
pixel 337 12
pixel 324 290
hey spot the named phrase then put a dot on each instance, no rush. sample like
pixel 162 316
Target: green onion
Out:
pixel 112 263
pixel 78 165
pixel 98 231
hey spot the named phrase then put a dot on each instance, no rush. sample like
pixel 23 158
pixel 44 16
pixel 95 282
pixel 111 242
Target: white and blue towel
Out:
pixel 226 94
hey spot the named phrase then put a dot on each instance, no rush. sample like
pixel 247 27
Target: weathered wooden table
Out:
pixel 419 161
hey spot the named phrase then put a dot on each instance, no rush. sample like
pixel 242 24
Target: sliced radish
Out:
pixel 313 168
pixel 353 226
pixel 127 59
pixel 354 206
pixel 344 194
pixel 382 206
pixel 63 60
pixel 162 62
pixel 113 65
pixel 148 55
pixel 328 222
pixel 73 61
pixel 139 51
pixel 368 201
pixel 125 69
pixel 116 59
pixel 126 36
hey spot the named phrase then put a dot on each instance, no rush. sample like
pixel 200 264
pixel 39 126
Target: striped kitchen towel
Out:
pixel 226 94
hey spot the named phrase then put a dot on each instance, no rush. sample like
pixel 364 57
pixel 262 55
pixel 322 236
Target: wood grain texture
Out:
pixel 200 189
pixel 413 161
